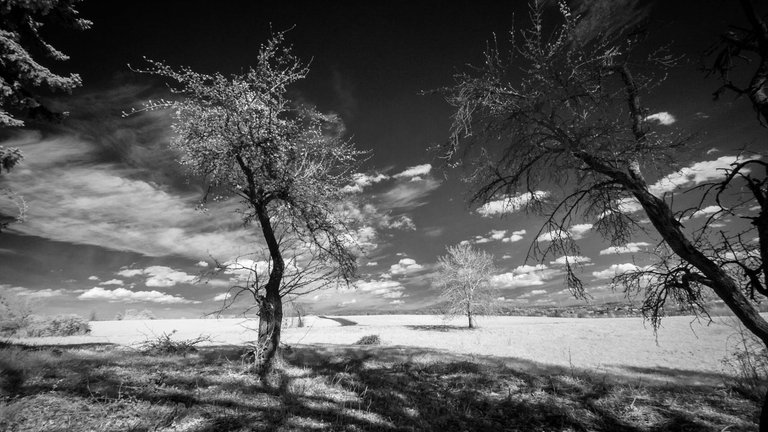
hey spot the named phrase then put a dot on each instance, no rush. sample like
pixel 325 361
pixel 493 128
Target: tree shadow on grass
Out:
pixel 336 387
pixel 343 321
pixel 438 327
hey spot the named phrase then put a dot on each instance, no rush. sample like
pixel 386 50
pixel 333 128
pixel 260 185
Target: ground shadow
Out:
pixel 438 327
pixel 344 322
pixel 362 388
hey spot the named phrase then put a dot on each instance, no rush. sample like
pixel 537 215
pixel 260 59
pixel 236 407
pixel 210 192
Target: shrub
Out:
pixel 748 358
pixel 369 340
pixel 165 345
pixel 60 325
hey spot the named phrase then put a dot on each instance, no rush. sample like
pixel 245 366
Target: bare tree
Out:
pixel 464 277
pixel 571 117
pixel 286 162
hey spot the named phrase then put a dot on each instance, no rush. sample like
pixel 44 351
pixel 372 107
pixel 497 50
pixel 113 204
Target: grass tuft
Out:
pixel 369 340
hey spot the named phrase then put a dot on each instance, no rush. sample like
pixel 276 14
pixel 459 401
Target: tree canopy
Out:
pixel 287 163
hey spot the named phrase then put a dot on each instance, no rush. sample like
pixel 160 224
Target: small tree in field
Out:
pixel 286 162
pixel 464 278
pixel 571 115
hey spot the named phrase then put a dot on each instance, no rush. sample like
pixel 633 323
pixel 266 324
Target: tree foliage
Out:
pixel 21 74
pixel 570 116
pixel 286 162
pixel 464 278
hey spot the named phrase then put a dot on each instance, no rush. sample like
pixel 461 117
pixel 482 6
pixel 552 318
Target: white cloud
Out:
pixel 158 276
pixel 628 248
pixel 348 302
pixel 112 282
pixel 371 264
pixel 396 302
pixel 509 204
pixel 405 266
pixel 615 270
pixel 706 211
pixel 93 278
pixel 515 237
pixel 124 295
pixel 571 259
pixel 523 276
pixel 202 264
pixel 415 171
pixel 525 268
pixel 664 118
pixel 511 280
pixel 221 297
pixel 576 232
pixel 246 268
pixel 130 272
pixel 697 173
pixel 362 180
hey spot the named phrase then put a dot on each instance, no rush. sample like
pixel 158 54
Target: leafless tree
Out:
pixel 464 278
pixel 286 162
pixel 570 117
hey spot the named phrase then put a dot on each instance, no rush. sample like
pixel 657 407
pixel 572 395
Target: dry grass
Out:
pixel 324 387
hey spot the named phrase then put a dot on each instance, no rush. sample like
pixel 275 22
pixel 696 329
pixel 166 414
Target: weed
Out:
pixel 369 340
pixel 165 345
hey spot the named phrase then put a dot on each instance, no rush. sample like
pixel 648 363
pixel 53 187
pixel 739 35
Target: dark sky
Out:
pixel 112 223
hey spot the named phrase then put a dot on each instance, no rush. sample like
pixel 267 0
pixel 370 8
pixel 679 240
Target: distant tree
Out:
pixel 21 75
pixel 464 278
pixel 287 163
pixel 570 114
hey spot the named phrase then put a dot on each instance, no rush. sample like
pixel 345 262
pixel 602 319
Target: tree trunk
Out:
pixel 271 307
pixel 469 315
pixel 270 323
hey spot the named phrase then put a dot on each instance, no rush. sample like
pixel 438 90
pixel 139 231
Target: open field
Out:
pixel 684 350
pixel 514 373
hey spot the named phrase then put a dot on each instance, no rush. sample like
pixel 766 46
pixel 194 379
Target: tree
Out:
pixel 286 162
pixel 572 115
pixel 739 46
pixel 464 276
pixel 20 74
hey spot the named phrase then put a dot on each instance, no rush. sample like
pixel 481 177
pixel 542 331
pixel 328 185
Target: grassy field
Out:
pixel 409 382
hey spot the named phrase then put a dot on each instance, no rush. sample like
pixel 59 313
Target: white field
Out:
pixel 685 350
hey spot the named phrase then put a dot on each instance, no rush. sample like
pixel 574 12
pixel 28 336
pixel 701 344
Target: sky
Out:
pixel 113 222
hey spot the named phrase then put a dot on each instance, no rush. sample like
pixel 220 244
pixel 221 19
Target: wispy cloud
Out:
pixel 415 171
pixel 75 197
